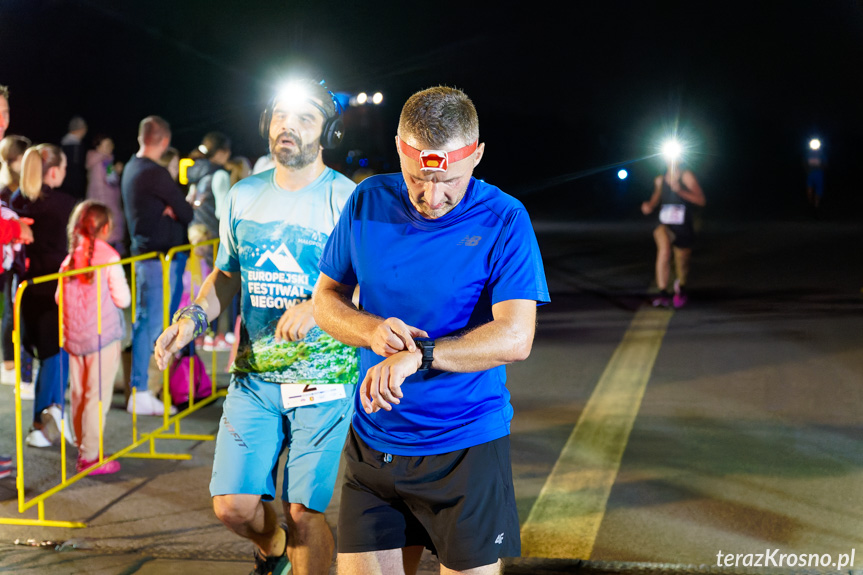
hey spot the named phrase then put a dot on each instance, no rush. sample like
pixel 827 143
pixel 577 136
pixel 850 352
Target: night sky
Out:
pixel 560 92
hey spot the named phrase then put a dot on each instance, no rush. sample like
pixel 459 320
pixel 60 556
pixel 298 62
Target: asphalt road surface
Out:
pixel 644 441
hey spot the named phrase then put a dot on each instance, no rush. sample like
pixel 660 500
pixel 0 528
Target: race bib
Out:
pixel 672 214
pixel 299 395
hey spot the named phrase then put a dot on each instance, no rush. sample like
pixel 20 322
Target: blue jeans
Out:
pixel 148 324
pixel 178 267
pixel 51 383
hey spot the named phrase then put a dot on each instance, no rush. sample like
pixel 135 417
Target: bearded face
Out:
pixel 289 150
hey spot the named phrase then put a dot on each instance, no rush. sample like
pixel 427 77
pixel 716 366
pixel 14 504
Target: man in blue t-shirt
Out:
pixel 291 383
pixel 450 275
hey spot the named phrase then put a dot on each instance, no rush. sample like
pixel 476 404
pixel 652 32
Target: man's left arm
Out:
pixel 506 339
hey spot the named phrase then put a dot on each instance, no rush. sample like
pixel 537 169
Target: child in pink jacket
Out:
pixel 94 355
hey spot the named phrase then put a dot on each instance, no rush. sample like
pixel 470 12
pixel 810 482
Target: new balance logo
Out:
pixel 470 241
pixel 499 540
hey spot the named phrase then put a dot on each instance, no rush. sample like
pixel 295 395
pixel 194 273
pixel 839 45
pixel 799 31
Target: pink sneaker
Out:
pixel 680 296
pixel 105 469
pixel 662 299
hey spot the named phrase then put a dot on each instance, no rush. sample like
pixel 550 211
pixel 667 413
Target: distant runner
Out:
pixel 676 193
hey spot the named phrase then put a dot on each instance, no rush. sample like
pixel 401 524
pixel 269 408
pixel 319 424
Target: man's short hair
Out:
pixel 152 129
pixel 437 116
pixel 321 92
pixel 4 91
pixel 77 123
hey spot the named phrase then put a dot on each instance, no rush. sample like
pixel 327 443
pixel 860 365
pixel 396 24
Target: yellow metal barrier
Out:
pixel 137 441
pixel 166 321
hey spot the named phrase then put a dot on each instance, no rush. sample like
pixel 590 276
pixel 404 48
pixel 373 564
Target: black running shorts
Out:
pixel 683 236
pixel 460 505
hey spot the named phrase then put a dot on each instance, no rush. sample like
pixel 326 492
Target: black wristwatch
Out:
pixel 426 345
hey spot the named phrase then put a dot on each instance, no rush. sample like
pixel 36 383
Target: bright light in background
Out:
pixel 672 150
pixel 293 93
pixel 363 98
pixel 814 144
pixel 622 174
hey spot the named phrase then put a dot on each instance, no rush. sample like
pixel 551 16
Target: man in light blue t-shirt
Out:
pixel 450 276
pixel 291 383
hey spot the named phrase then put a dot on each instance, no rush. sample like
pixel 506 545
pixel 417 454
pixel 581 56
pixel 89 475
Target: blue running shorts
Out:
pixel 254 430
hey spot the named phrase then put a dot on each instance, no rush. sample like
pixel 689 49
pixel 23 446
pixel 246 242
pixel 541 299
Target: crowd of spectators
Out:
pixel 40 186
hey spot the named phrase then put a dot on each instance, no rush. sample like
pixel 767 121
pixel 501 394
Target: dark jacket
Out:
pixel 50 215
pixel 75 182
pixel 147 188
pixel 39 321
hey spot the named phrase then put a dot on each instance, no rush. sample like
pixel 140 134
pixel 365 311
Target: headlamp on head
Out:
pixel 296 93
pixel 299 92
pixel 436 160
pixel 672 150
pixel 293 93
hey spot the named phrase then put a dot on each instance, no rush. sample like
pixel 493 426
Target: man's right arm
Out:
pixel 650 205
pixel 337 315
pixel 215 295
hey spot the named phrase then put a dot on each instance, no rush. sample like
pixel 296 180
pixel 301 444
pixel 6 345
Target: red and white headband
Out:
pixel 436 160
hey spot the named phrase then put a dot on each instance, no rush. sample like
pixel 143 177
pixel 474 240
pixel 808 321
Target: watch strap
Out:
pixel 426 346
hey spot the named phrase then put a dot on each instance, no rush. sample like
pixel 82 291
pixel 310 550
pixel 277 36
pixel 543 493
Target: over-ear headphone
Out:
pixel 333 131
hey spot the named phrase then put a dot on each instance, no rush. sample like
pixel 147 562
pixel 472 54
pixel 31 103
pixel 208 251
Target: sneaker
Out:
pixel 6 471
pixel 28 391
pixel 37 439
pixel 51 418
pixel 662 299
pixel 278 565
pixel 106 468
pixel 222 343
pixel 145 403
pixel 680 296
pixel 7 376
pixel 5 460
pixel 209 343
pixel 230 338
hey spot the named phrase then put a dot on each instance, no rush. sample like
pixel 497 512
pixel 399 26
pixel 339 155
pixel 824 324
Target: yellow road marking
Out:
pixel 565 519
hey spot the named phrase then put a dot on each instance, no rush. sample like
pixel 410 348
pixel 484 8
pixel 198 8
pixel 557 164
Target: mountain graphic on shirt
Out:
pixel 282 259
